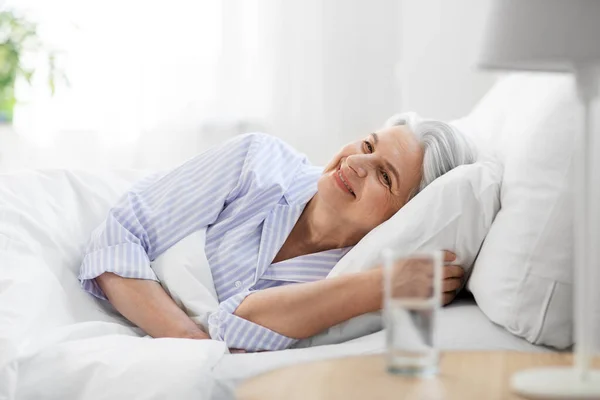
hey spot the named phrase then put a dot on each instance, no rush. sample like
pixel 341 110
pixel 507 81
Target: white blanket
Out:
pixel 50 328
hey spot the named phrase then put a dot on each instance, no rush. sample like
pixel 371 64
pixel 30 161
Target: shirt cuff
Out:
pixel 239 333
pixel 127 260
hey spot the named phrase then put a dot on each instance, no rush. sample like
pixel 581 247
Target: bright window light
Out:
pixel 130 64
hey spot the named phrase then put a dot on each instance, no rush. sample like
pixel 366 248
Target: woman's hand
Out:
pixel 196 334
pixel 452 276
pixel 414 278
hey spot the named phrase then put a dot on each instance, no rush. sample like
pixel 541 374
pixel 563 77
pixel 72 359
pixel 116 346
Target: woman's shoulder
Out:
pixel 271 161
pixel 270 151
pixel 264 144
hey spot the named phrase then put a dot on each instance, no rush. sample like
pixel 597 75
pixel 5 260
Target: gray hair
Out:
pixel 444 146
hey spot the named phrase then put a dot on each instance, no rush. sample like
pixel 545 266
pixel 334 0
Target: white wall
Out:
pixel 440 43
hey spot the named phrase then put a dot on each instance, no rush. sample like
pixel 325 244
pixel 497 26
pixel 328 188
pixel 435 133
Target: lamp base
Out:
pixel 556 383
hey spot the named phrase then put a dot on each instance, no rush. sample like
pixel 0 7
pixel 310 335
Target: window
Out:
pixel 130 63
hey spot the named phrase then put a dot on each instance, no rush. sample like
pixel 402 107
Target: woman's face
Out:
pixel 372 178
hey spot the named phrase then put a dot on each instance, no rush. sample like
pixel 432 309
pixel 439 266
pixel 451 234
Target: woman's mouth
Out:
pixel 343 182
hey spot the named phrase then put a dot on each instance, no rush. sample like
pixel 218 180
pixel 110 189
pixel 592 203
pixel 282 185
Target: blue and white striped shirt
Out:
pixel 248 192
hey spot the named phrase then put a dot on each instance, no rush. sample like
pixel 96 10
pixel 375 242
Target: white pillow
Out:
pixel 522 277
pixel 454 213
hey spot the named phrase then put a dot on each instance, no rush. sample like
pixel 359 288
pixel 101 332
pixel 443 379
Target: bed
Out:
pixel 57 342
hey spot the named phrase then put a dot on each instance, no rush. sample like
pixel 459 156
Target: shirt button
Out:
pixel 238 284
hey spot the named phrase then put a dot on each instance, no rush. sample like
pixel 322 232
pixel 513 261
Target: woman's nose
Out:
pixel 357 166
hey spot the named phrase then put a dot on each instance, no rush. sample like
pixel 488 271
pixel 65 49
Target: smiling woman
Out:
pixel 276 226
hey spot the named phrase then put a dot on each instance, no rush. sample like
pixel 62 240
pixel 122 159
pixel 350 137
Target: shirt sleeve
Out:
pixel 240 333
pixel 156 214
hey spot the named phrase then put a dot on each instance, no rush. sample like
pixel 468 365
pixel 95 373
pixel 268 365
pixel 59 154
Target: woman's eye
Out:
pixel 386 178
pixel 369 146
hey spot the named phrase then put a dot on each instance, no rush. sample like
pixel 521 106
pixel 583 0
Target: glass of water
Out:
pixel 412 291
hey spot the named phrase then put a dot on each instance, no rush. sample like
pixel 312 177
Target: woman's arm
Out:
pixel 147 305
pixel 305 309
pixel 297 311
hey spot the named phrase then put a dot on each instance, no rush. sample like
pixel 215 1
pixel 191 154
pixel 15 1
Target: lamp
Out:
pixel 560 36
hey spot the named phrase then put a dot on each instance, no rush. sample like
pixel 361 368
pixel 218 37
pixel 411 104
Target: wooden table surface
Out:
pixel 463 375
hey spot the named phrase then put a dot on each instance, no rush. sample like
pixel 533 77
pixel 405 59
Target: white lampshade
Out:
pixel 541 35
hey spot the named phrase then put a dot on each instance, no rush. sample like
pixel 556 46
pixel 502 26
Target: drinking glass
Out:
pixel 412 291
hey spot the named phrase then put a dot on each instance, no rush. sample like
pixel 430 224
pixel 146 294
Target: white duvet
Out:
pixel 56 341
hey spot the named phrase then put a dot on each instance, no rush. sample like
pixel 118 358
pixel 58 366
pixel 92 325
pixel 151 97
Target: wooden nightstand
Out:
pixel 464 375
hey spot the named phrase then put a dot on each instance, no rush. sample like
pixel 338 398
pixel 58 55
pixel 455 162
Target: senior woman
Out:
pixel 275 227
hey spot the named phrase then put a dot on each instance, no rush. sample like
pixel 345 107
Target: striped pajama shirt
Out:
pixel 248 192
